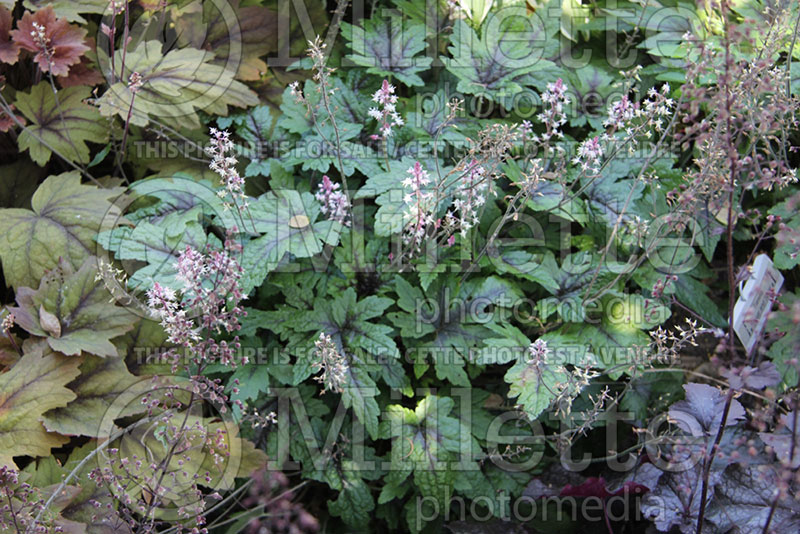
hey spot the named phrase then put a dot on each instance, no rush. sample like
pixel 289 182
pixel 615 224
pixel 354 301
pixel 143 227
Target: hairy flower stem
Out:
pixel 732 154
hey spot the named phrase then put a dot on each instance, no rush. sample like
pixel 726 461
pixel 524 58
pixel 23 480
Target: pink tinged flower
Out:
pixel 620 113
pixel 225 166
pixel 55 43
pixel 538 352
pixel 589 154
pixel 419 214
pixel 334 202
pixel 386 112
pixel 471 195
pixel 385 95
pixel 554 115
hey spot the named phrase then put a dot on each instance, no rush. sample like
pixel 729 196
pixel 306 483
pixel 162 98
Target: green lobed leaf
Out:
pixel 65 220
pixel 176 84
pixel 62 123
pixel 73 310
pixel 35 384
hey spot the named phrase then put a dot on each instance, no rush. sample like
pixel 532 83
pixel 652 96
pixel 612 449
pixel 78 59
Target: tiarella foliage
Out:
pixel 262 281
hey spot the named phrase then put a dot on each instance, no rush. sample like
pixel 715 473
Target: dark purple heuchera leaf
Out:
pixel 676 499
pixel 781 440
pixel 701 412
pixel 763 376
pixel 744 499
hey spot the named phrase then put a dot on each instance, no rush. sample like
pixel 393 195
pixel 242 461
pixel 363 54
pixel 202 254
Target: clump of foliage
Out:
pixel 305 270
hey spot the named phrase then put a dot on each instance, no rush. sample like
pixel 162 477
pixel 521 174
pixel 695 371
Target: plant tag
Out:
pixel 754 304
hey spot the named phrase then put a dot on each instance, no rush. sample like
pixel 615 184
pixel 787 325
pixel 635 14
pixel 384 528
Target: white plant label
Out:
pixel 755 303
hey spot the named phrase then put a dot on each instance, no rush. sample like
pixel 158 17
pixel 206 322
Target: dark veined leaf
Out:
pixel 180 199
pixel 744 499
pixel 763 376
pixel 175 85
pixel 459 326
pixel 366 344
pixel 62 123
pixel 35 384
pixel 785 442
pixel 65 220
pixel 355 502
pixel 701 413
pixel 203 440
pixel 388 46
pixel 101 381
pixel 81 507
pixel 241 43
pixel 675 500
pixel 158 246
pixel 589 87
pixel 73 310
pixel 289 222
pixel 313 153
pixel 497 61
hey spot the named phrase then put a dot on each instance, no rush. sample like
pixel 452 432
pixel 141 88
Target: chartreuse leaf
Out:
pixel 35 384
pixel 426 442
pixel 388 46
pixel 63 124
pixel 100 382
pixel 73 310
pixel 476 10
pixel 176 84
pixel 65 220
pixel 535 386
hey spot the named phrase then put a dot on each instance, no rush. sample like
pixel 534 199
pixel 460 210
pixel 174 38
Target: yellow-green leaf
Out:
pixel 100 382
pixel 35 384
pixel 65 220
pixel 60 124
pixel 175 85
